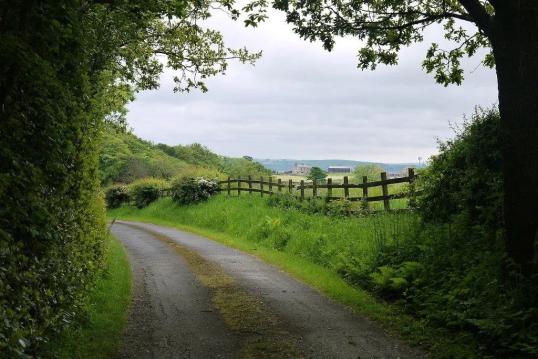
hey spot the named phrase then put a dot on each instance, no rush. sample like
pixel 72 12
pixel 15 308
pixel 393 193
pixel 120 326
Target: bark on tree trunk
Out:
pixel 515 44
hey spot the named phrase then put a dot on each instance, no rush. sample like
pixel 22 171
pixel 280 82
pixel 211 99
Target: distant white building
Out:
pixel 339 169
pixel 301 169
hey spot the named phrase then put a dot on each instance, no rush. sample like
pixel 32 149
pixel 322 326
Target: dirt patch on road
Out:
pixel 262 333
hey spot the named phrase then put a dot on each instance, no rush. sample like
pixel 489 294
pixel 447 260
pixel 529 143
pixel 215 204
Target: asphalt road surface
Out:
pixel 195 298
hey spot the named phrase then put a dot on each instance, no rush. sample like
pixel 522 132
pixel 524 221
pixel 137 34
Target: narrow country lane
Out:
pixel 195 298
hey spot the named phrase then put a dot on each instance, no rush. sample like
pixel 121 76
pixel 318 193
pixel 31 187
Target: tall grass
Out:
pixel 336 255
pixel 345 245
pixel 396 188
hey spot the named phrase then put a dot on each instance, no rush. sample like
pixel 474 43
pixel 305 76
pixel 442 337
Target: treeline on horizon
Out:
pixel 282 165
pixel 124 158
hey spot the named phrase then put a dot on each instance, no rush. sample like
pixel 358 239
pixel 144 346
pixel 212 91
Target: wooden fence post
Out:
pixel 290 186
pixel 270 185
pixel 412 195
pixel 346 188
pixel 302 190
pixel 280 185
pixel 314 188
pixel 365 192
pixel 250 185
pixel 386 201
pixel 239 185
pixel 228 185
pixel 329 188
pixel 261 186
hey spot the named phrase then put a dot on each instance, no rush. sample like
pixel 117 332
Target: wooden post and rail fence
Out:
pixel 298 189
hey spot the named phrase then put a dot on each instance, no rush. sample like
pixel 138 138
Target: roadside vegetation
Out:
pixel 333 254
pixel 67 71
pixel 98 333
pixel 443 264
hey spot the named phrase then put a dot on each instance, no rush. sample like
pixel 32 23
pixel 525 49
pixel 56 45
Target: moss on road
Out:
pixel 261 333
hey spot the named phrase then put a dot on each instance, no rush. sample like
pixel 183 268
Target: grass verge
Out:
pixel 248 224
pixel 99 333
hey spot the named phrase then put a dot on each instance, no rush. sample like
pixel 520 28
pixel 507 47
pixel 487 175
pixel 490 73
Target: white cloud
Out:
pixel 300 101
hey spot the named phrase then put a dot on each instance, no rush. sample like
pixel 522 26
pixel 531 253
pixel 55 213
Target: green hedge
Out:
pixel 452 271
pixel 146 190
pixel 52 224
pixel 116 195
pixel 192 190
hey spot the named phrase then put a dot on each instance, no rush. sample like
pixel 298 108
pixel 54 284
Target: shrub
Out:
pixel 451 272
pixel 465 179
pixel 192 190
pixel 146 190
pixel 395 281
pixel 117 195
pixel 52 219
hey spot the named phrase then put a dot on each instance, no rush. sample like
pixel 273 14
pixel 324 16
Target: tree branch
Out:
pixel 477 11
pixel 493 3
pixel 426 19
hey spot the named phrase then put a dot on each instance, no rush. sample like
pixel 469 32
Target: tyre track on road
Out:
pixel 253 309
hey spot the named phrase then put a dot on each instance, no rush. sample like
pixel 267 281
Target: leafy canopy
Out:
pixel 385 26
pixel 135 40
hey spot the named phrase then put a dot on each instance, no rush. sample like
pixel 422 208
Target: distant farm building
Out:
pixel 403 173
pixel 301 169
pixel 339 169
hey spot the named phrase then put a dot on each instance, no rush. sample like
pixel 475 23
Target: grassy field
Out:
pixel 334 255
pixel 99 334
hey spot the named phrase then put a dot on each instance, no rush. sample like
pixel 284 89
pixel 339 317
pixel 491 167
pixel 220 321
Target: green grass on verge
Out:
pixel 315 246
pixel 100 332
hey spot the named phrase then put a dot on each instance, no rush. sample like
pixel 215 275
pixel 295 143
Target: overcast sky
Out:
pixel 302 102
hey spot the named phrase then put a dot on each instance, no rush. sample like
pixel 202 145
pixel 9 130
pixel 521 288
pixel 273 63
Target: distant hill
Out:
pixel 125 157
pixel 281 165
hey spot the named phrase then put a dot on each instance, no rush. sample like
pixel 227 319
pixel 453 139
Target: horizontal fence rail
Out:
pixel 269 186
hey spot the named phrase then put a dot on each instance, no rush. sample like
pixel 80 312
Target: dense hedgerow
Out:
pixel 192 190
pixel 66 67
pixel 465 179
pixel 146 190
pixel 452 272
pixel 52 224
pixel 116 195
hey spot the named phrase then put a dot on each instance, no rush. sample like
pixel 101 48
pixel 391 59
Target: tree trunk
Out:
pixel 515 44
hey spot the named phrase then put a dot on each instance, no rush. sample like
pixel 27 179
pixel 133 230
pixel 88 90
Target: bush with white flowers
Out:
pixel 193 190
